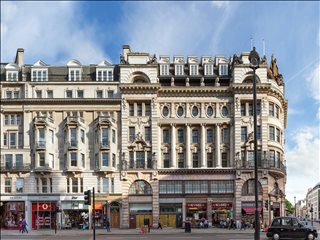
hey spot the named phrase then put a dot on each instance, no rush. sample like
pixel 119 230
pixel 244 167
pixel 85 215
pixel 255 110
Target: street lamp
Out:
pixel 254 64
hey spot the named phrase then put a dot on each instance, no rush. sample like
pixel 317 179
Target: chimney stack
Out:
pixel 19 57
pixel 126 50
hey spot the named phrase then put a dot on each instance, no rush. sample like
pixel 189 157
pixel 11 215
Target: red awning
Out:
pixel 251 210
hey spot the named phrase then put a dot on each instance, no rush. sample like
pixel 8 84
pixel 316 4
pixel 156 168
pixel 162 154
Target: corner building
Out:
pixel 157 138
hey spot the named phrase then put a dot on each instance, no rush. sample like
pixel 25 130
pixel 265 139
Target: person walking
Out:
pixel 24 226
pixel 159 224
pixel 108 225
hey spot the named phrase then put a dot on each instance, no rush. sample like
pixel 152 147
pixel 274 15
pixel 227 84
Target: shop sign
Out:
pixel 196 205
pixel 44 206
pixel 221 205
pixel 250 204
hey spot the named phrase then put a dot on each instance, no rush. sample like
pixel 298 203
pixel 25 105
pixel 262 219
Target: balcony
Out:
pixel 264 164
pixel 105 145
pixel 41 145
pixel 72 145
pixel 104 121
pixel 74 169
pixel 74 120
pixel 43 121
pixel 105 169
pixel 24 167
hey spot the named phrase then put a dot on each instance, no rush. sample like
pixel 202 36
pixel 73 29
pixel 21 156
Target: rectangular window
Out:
pixel 99 76
pixel 139 109
pixel 42 159
pixel 113 160
pixel 258 108
pixel 110 94
pixel 193 70
pixel 105 159
pixel 208 69
pixel 82 163
pixel 99 94
pixel 113 136
pixel 147 134
pixel 49 94
pixel 195 136
pixel 272 158
pixel 20 140
pixel 259 132
pixel 271 134
pixel 277 160
pixel 179 69
pixel 73 159
pixel 132 134
pixel 166 160
pixel 44 183
pixel 223 69
pixel 209 135
pixel 51 160
pixel 5 139
pixel 38 94
pixel 250 109
pixel 164 69
pixel 243 109
pixel 9 94
pixel 277 111
pixel 69 93
pixel 19 185
pixel 166 136
pixel 16 94
pixel 278 135
pixel 19 161
pixel 170 187
pixel 180 136
pixel 180 160
pixel 196 187
pixel 105 137
pixel 225 135
pixel 80 93
pixel 224 159
pixel 147 110
pixel 9 161
pixel 105 185
pixel 209 160
pixel 6 119
pixel 140 159
pixel 8 185
pixel 110 76
pixel 271 109
pixel 131 109
pixel 13 140
pixel 74 185
pixel 82 136
pixel 195 160
pixel 222 186
pixel 51 136
pixel 131 159
pixel 12 119
pixel 244 134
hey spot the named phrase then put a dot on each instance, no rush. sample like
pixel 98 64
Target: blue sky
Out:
pixel 56 32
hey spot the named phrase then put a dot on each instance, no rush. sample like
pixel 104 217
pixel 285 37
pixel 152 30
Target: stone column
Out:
pixel 218 154
pixel 188 146
pixel 173 163
pixel 159 159
pixel 203 146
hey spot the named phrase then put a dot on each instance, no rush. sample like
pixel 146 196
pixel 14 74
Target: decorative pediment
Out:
pixel 74 63
pixel 104 63
pixel 40 63
pixel 12 67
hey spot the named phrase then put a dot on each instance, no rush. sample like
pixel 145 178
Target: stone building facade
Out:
pixel 157 139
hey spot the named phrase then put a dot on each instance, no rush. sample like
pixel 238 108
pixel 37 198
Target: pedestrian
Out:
pixel 243 225
pixel 108 225
pixel 24 226
pixel 20 225
pixel 159 224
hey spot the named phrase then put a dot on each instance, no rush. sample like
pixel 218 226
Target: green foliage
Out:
pixel 289 206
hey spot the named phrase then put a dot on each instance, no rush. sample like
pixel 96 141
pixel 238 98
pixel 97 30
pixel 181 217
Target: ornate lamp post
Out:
pixel 254 62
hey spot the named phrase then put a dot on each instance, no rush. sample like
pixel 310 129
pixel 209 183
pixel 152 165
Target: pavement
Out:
pixel 118 231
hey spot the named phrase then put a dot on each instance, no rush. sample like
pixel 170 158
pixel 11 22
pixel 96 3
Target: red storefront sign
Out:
pixel 197 206
pixel 43 206
pixel 221 205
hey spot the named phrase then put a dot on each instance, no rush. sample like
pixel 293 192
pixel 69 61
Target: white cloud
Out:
pixel 303 162
pixel 220 4
pixel 175 28
pixel 51 31
pixel 313 83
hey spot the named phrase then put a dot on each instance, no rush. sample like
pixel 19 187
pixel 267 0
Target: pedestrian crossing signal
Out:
pixel 266 204
pixel 87 197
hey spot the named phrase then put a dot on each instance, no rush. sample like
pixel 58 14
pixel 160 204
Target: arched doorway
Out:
pixel 140 204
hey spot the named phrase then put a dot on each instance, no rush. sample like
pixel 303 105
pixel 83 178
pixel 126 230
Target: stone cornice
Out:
pixel 60 101
pixel 139 88
pixel 196 171
pixel 193 91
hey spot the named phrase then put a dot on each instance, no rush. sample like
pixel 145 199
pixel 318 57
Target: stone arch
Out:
pixel 131 179
pixel 139 78
pixel 248 78
pixel 140 187
pixel 260 191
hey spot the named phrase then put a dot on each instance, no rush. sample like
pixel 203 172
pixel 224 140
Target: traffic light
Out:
pixel 87 197
pixel 266 204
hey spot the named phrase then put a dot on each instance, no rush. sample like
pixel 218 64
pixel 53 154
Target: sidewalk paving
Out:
pixel 118 231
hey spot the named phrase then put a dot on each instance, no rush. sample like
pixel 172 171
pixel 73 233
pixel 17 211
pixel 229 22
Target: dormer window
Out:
pixel 164 69
pixel 179 69
pixel 104 75
pixel 74 70
pixel 12 75
pixel 12 72
pixel 208 69
pixel 39 75
pixel 223 69
pixel 193 70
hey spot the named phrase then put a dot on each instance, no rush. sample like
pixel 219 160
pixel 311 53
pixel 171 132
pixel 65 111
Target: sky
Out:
pixel 56 32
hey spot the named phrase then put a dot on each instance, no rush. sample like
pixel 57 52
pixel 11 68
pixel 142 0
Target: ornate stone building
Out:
pixel 156 138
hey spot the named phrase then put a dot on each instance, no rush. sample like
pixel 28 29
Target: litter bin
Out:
pixel 187 227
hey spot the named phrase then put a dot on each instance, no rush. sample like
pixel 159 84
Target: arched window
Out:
pixel 140 187
pixel 248 188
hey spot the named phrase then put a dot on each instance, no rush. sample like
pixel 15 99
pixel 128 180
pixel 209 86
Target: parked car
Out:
pixel 292 228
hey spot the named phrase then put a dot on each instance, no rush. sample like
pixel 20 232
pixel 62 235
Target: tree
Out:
pixel 289 206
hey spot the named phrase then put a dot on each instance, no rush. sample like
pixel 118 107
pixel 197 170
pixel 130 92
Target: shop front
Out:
pixel 221 211
pixel 171 214
pixel 196 212
pixel 74 214
pixel 43 215
pixel 275 207
pixel 248 211
pixel 11 214
pixel 100 214
pixel 140 214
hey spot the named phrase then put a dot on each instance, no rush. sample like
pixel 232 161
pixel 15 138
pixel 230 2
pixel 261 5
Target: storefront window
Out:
pixel 13 212
pixel 196 187
pixel 222 187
